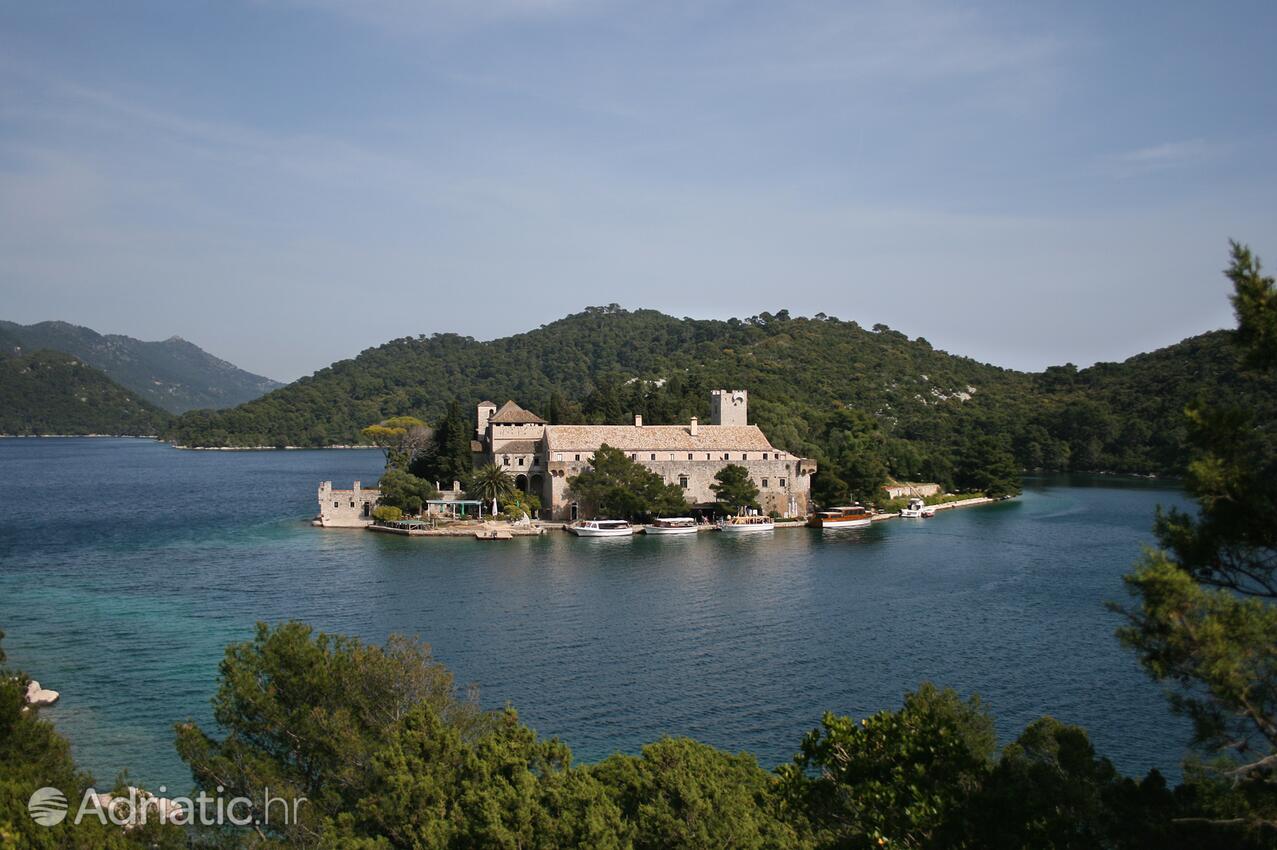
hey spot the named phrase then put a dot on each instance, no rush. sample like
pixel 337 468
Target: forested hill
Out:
pixel 173 374
pixel 819 386
pixel 48 392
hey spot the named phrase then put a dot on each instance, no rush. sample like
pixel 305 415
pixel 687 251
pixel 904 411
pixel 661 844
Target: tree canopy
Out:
pixel 617 487
pixel 1205 612
pixel 861 402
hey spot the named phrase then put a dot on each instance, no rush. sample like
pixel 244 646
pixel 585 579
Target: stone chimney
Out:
pixel 693 429
pixel 638 420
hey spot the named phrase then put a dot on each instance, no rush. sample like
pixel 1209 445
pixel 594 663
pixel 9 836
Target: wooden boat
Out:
pixel 601 528
pixel 847 516
pixel 672 525
pixel 746 524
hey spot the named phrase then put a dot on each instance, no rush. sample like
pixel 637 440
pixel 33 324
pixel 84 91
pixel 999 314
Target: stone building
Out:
pixel 346 508
pixel 541 457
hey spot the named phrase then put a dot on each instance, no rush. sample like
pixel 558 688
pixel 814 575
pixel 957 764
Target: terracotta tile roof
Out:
pixel 517 447
pixel 657 437
pixel 511 414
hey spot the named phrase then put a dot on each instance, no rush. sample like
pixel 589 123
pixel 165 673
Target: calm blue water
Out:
pixel 126 566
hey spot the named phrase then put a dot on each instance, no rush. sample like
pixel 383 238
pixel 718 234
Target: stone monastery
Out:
pixel 541 457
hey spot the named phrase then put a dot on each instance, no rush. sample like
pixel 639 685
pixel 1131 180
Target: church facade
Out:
pixel 541 458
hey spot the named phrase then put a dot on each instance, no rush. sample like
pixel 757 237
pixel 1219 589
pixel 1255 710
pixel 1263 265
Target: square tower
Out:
pixel 484 412
pixel 728 407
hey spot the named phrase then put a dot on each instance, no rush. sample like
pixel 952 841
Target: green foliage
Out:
pixel 387 513
pixel 1205 618
pixel 32 756
pixel 490 483
pixel 519 504
pixel 734 489
pixel 173 375
pixel 854 459
pixel 309 715
pixel 446 457
pixel 605 364
pixel 404 491
pixel 895 779
pixel 400 437
pixel 47 392
pixel 683 794
pixel 985 464
pixel 390 755
pixel 617 487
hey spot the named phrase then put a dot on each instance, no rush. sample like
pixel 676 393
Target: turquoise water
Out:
pixel 126 566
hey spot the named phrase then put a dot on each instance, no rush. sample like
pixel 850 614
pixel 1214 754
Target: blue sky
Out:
pixel 287 182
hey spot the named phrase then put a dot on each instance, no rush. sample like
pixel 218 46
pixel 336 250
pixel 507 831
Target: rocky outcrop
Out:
pixel 38 697
pixel 138 807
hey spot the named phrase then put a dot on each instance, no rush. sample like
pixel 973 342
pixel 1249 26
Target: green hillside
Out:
pixel 852 397
pixel 172 374
pixel 48 392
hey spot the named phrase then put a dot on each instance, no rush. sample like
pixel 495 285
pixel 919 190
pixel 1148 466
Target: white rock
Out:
pixel 38 696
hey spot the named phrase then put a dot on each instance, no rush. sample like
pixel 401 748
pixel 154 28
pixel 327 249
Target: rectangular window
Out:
pixel 336 504
pixel 689 455
pixel 744 456
pixel 764 483
pixel 352 503
pixel 682 481
pixel 578 457
pixel 653 455
pixel 764 455
pixel 633 455
pixel 782 482
pixel 520 461
pixel 506 461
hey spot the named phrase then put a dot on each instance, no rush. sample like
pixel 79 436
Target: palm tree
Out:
pixel 490 483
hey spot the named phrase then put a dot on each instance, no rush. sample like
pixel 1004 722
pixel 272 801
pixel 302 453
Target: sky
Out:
pixel 288 182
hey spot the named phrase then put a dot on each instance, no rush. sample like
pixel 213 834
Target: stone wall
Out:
pixel 346 508
pixel 901 490
pixel 790 498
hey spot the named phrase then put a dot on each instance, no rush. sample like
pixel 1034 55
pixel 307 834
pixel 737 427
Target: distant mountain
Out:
pixel 174 374
pixel 920 412
pixel 48 392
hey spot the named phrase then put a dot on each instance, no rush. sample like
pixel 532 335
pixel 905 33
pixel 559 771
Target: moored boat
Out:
pixel 847 516
pixel 601 528
pixel 672 525
pixel 917 509
pixel 746 524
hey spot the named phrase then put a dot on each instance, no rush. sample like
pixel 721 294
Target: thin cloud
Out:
pixel 1167 155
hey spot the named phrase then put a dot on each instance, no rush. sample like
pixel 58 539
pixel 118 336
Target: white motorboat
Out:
pixel 847 516
pixel 672 525
pixel 747 524
pixel 601 528
pixel 917 509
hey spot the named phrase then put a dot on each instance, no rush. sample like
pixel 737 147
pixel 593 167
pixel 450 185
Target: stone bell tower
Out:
pixel 728 407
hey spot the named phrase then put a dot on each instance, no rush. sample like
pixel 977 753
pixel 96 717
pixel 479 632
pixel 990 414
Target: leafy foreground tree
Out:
pixel 389 753
pixel 894 779
pixel 734 489
pixel 682 794
pixel 1206 614
pixel 620 488
pixel 33 756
